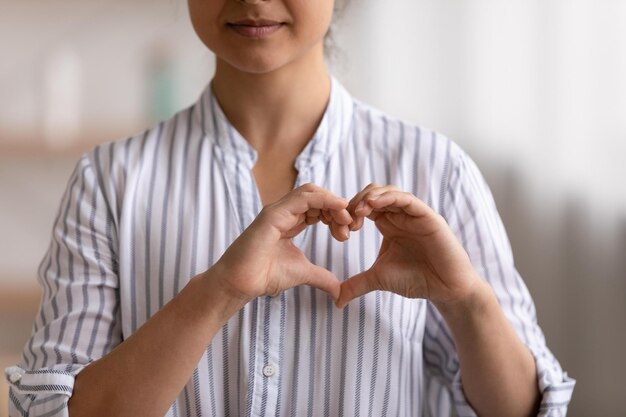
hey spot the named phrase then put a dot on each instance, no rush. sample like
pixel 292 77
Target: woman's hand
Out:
pixel 264 261
pixel 419 257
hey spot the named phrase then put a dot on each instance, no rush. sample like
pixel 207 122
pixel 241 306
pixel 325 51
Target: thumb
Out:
pixel 356 286
pixel 323 279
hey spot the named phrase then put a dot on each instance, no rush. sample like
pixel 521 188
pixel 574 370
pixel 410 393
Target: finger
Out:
pixel 359 206
pixel 287 212
pixel 374 193
pixel 310 196
pixel 325 217
pixel 324 280
pixel 341 232
pixel 363 209
pixel 359 196
pixel 397 201
pixel 356 203
pixel 337 221
pixel 356 286
pixel 357 223
pixel 340 216
pixel 312 216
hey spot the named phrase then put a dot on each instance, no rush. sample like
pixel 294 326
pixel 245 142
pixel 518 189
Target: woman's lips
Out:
pixel 255 28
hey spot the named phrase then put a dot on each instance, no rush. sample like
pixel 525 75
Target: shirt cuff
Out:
pixel 555 386
pixel 43 391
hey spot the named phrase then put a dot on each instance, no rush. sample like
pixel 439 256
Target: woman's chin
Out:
pixel 257 63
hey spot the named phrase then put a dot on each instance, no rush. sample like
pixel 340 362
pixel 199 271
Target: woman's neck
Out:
pixel 280 109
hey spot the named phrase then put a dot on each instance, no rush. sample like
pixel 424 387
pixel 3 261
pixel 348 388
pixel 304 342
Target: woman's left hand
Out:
pixel 420 257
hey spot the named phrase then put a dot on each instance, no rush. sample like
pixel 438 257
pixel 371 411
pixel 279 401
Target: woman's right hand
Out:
pixel 264 261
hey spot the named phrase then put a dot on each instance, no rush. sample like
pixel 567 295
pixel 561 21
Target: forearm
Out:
pixel 498 372
pixel 145 373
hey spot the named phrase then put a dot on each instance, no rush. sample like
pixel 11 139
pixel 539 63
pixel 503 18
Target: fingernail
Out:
pixel 360 205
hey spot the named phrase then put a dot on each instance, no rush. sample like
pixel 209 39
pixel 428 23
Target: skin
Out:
pixel 420 257
pixel 274 91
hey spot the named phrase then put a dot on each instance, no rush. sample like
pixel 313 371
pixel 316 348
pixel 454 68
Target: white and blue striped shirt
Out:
pixel 141 217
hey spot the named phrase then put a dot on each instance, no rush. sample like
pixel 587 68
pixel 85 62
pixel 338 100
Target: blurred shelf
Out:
pixel 18 299
pixel 18 307
pixel 12 144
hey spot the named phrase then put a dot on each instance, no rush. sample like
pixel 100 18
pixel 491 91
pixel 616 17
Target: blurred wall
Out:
pixel 534 91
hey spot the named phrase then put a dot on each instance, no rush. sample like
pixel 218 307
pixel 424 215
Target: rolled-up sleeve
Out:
pixel 469 208
pixel 78 321
pixel 40 392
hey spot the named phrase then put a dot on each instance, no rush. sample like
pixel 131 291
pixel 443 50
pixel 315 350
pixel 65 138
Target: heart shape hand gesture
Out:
pixel 264 261
pixel 420 257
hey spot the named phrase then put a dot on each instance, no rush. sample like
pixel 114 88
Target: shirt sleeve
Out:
pixel 78 321
pixel 470 210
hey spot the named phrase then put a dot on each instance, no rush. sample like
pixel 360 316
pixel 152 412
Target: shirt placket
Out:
pixel 264 312
pixel 267 366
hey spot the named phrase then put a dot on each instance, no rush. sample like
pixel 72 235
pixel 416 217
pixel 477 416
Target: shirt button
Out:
pixel 268 370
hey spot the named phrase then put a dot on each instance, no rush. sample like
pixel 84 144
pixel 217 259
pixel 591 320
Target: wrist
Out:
pixel 220 300
pixel 477 302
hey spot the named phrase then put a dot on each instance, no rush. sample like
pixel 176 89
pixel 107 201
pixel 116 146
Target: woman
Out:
pixel 194 268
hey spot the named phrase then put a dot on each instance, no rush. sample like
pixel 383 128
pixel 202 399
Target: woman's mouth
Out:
pixel 255 28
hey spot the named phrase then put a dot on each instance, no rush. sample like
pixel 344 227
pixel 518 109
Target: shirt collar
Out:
pixel 335 125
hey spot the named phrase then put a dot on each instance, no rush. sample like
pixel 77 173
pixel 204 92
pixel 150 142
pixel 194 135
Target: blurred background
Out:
pixel 534 90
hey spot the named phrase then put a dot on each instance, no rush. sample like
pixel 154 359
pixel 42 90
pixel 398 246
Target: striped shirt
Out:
pixel 142 216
